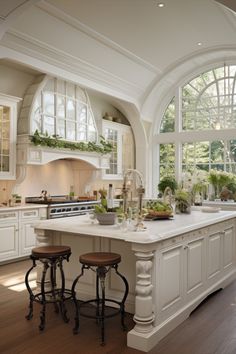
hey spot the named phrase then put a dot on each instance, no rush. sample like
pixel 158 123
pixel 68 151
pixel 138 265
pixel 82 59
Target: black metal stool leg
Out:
pixel 30 314
pixel 53 283
pixel 76 328
pixel 101 271
pixel 122 303
pixel 62 296
pixel 43 300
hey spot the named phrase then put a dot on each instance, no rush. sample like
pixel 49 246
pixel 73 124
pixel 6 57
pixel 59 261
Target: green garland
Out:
pixel 56 142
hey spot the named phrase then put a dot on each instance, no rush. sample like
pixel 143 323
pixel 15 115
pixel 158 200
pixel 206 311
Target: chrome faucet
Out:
pixel 125 190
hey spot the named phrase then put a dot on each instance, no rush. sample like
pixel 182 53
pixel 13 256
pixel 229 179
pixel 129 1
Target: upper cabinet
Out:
pixel 122 157
pixel 8 120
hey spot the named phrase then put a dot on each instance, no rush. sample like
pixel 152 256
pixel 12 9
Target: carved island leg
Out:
pixel 144 316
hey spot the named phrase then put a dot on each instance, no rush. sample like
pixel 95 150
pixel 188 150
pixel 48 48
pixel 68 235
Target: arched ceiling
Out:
pixel 120 48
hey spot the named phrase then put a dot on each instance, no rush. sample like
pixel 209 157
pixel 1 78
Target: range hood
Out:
pixel 29 154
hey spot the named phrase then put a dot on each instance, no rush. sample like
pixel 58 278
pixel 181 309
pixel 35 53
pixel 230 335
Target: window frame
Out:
pixel 179 136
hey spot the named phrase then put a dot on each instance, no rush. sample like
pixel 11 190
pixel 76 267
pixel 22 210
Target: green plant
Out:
pixel 54 141
pixel 168 181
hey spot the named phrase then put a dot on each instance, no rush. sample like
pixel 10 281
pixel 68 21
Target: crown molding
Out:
pixel 78 25
pixel 83 72
pixel 229 14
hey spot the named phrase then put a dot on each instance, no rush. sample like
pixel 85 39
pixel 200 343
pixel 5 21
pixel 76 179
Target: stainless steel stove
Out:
pixel 61 206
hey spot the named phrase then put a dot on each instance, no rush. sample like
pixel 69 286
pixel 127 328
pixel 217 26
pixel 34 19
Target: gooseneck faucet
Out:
pixel 140 190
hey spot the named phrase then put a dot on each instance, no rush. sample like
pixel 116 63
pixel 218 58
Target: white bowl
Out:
pixel 210 209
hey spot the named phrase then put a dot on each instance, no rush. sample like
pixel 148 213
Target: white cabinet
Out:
pixel 190 265
pixel 9 235
pixel 181 274
pixel 17 236
pixel 27 235
pixel 171 279
pixel 195 260
pixel 8 121
pixel 122 157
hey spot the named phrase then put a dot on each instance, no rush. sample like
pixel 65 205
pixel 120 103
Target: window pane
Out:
pixel 70 89
pixel 60 106
pixel 70 109
pixel 61 87
pixel 167 158
pixel 49 125
pixel 168 120
pixel 48 103
pixel 208 101
pixel 70 130
pixel 61 128
pixel 195 156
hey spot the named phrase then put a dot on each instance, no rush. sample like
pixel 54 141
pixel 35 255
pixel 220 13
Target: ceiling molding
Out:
pixel 228 3
pixel 55 12
pixel 11 11
pixel 51 55
pixel 230 15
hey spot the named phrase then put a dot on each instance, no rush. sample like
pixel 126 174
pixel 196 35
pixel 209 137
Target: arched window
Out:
pixel 198 128
pixel 62 108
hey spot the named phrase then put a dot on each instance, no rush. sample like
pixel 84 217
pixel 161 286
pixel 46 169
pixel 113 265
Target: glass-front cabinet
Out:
pixel 8 113
pixel 122 156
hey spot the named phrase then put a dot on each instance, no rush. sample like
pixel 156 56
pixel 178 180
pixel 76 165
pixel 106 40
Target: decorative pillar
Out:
pixel 144 316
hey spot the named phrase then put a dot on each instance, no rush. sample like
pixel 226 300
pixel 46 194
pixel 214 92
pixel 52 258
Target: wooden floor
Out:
pixel 211 329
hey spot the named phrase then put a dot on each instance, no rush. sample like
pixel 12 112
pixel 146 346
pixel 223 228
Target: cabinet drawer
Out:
pixel 29 214
pixel 8 215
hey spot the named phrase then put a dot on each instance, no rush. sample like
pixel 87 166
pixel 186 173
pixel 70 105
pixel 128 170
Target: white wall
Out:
pixel 14 82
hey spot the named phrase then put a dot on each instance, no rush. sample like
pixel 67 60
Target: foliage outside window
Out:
pixel 63 109
pixel 208 103
pixel 167 160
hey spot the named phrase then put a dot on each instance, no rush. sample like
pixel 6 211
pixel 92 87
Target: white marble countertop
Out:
pixel 156 230
pixel 22 207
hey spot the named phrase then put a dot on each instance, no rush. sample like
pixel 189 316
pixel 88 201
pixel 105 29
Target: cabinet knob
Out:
pixel 186 247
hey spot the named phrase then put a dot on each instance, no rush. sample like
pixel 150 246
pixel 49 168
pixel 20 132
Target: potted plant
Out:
pixel 182 202
pixel 168 181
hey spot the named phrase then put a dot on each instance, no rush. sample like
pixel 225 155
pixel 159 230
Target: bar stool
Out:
pixel 51 257
pixel 101 263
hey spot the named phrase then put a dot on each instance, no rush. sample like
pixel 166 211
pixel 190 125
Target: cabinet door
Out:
pixel 8 120
pixel 228 248
pixel 171 280
pixel 195 266
pixel 8 240
pixel 27 238
pixel 214 256
pixel 122 157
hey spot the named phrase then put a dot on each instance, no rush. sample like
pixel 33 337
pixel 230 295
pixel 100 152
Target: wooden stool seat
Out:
pixel 51 251
pixel 98 259
pixel 101 263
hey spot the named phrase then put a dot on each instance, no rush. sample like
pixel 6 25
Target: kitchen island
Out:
pixel 171 266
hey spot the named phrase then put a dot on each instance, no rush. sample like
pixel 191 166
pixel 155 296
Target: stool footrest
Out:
pixel 115 310
pixel 56 297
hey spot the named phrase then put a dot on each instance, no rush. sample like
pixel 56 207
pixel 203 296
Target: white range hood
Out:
pixel 30 154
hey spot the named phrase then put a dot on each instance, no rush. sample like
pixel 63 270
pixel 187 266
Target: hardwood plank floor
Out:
pixel 211 329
